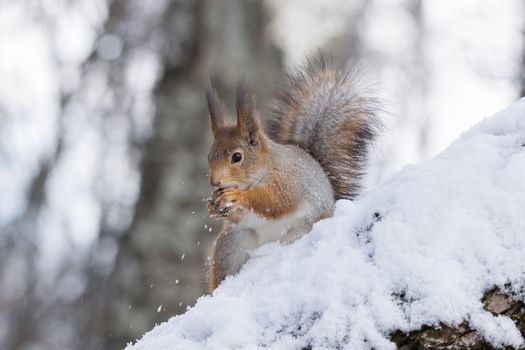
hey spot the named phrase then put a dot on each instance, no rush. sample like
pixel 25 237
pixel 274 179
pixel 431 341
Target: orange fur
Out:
pixel 271 201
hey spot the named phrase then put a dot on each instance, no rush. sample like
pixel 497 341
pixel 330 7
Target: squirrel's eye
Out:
pixel 236 157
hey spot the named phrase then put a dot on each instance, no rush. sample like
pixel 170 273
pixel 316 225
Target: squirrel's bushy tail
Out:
pixel 327 113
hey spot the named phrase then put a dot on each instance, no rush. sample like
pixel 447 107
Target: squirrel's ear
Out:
pixel 247 116
pixel 216 109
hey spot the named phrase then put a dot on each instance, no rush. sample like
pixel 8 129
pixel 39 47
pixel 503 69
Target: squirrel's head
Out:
pixel 238 154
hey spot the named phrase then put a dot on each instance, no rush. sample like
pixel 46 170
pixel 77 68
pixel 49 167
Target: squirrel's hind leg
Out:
pixel 230 252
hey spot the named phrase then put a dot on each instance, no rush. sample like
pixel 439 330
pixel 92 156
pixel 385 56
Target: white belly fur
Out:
pixel 284 230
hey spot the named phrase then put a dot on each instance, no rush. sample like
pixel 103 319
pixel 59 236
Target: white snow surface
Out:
pixel 448 230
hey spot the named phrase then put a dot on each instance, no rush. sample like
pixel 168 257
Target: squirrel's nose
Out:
pixel 214 182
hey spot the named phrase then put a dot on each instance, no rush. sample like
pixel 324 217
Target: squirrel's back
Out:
pixel 327 113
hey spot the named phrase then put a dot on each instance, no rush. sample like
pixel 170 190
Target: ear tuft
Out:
pixel 216 109
pixel 247 116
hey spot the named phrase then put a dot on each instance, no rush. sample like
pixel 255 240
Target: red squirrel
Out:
pixel 273 184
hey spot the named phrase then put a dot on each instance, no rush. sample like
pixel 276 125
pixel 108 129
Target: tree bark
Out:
pixel 462 336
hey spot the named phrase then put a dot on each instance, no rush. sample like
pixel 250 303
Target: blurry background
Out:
pixel 104 134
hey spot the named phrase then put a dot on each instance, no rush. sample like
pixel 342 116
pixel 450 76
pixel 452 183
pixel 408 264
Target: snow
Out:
pixel 419 249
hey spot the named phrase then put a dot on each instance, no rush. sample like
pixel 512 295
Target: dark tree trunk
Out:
pixel 160 266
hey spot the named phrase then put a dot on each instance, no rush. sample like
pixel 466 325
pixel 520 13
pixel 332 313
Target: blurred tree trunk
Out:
pixel 407 62
pixel 160 265
pixel 420 77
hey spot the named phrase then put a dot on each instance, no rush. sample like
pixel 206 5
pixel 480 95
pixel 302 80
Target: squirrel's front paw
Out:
pixel 224 202
pixel 213 203
pixel 212 209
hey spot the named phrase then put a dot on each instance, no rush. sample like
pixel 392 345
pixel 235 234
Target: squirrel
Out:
pixel 273 182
